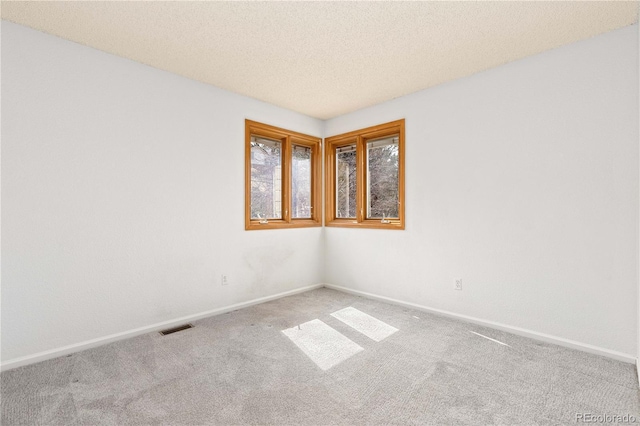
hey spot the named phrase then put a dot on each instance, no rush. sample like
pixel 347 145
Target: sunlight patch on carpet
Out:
pixel 321 343
pixel 371 327
pixel 488 338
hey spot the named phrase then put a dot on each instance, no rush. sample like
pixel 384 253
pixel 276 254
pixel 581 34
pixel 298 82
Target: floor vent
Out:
pixel 175 329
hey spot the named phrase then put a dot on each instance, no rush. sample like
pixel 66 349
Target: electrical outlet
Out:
pixel 224 280
pixel 458 284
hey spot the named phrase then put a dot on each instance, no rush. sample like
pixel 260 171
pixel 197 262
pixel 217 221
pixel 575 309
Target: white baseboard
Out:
pixel 88 344
pixel 503 327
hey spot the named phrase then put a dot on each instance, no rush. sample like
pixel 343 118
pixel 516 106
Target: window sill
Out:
pixel 255 225
pixel 372 224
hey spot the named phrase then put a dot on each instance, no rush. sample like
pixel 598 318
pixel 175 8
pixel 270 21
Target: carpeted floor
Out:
pixel 241 368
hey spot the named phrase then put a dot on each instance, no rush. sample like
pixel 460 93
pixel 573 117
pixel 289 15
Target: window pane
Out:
pixel 301 182
pixel 382 178
pixel 346 181
pixel 266 178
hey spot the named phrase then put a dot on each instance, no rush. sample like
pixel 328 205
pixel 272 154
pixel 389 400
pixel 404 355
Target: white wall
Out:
pixel 638 270
pixel 523 181
pixel 123 197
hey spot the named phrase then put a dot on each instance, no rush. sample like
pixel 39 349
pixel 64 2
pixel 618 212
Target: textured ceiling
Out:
pixel 323 59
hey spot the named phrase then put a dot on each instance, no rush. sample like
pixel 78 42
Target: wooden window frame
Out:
pixel 360 138
pixel 288 138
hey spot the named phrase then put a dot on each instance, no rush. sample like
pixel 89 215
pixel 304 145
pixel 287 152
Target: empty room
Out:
pixel 319 213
